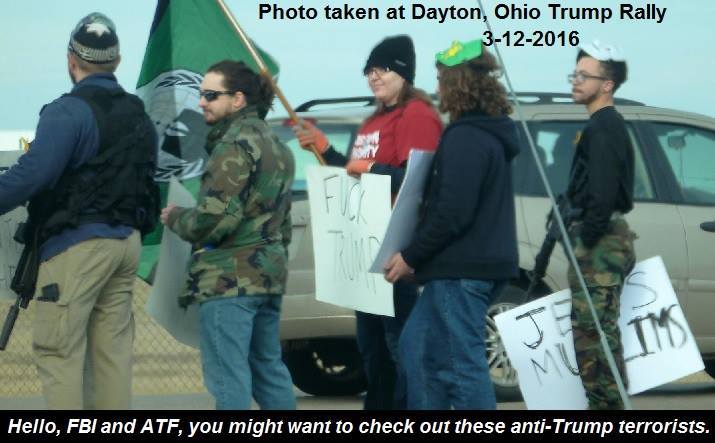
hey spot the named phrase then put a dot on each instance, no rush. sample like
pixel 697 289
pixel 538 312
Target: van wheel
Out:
pixel 327 367
pixel 503 375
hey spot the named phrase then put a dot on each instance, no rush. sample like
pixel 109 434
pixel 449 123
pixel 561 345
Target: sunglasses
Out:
pixel 210 95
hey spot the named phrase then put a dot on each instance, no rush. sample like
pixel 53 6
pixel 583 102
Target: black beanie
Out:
pixel 94 39
pixel 396 53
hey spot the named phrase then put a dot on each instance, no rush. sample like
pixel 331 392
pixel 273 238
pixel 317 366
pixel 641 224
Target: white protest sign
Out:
pixel 658 345
pixel 10 250
pixel 405 214
pixel 174 254
pixel 538 340
pixel 657 342
pixel 348 218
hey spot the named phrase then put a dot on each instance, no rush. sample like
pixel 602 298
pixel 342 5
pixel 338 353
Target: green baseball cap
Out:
pixel 460 52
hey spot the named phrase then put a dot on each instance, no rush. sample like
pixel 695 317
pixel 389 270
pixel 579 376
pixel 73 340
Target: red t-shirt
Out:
pixel 387 138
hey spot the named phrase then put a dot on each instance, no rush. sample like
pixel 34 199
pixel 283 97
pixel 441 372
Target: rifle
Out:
pixel 553 235
pixel 25 278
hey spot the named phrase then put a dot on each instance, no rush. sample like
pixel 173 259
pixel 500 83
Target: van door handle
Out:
pixel 708 226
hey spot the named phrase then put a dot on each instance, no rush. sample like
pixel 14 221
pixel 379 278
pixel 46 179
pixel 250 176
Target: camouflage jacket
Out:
pixel 240 227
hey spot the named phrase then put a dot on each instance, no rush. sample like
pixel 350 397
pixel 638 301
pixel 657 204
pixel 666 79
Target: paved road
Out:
pixel 692 396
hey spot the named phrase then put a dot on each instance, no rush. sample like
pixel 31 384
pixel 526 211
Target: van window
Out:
pixel 340 136
pixel 555 144
pixel 690 152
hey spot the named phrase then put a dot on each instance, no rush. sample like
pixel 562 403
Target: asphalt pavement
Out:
pixel 674 396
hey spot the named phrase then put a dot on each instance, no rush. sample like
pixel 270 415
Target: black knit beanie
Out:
pixel 395 53
pixel 94 39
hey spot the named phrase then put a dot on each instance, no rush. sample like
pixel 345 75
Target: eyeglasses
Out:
pixel 377 71
pixel 580 77
pixel 210 95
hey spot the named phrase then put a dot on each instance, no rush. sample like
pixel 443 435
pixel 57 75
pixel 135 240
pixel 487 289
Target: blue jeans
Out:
pixel 442 346
pixel 241 353
pixel 377 338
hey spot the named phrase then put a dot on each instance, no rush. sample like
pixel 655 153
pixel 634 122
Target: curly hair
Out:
pixel 472 86
pixel 237 76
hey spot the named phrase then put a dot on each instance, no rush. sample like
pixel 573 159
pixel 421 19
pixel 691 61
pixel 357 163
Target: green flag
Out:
pixel 186 38
pixel 193 35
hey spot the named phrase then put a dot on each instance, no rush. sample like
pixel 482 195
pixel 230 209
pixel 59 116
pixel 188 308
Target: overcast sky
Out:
pixel 671 63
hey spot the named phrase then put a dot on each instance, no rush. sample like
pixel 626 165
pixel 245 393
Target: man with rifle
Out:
pixel 553 235
pixel 24 281
pixel 601 186
pixel 89 179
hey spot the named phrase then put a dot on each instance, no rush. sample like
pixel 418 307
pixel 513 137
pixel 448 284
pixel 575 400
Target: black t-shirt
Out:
pixel 602 173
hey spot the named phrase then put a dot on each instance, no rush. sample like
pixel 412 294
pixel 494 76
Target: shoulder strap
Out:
pixel 100 100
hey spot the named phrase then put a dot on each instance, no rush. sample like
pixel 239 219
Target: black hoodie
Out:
pixel 467 223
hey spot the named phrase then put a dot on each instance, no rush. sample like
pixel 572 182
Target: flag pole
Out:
pixel 264 71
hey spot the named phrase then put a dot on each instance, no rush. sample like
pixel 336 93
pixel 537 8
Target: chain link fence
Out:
pixel 161 364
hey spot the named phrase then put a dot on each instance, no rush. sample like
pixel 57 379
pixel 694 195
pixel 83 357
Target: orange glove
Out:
pixel 357 167
pixel 308 135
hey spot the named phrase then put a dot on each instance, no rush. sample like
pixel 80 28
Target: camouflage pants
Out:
pixel 604 267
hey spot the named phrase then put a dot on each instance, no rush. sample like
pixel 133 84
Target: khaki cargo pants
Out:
pixel 82 341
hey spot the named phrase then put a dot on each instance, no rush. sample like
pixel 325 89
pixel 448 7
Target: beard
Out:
pixel 584 99
pixel 210 121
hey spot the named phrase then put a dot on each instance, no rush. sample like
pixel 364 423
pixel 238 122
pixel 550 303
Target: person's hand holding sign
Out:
pixel 397 268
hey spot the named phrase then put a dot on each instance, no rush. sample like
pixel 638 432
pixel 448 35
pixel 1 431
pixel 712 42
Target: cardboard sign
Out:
pixel 658 345
pixel 348 218
pixel 405 214
pixel 174 254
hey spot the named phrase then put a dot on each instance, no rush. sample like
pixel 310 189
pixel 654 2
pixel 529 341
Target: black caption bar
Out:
pixel 312 425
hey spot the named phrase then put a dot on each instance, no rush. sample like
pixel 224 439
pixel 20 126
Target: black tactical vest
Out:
pixel 116 186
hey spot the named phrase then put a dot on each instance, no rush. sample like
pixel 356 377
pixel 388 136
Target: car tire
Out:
pixel 710 368
pixel 326 367
pixel 503 374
